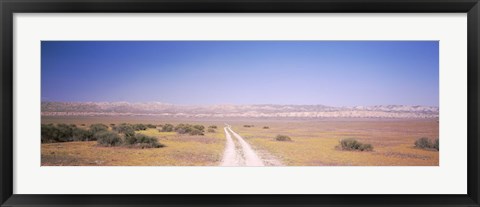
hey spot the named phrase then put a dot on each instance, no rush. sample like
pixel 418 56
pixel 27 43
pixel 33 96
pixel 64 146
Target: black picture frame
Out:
pixel 10 7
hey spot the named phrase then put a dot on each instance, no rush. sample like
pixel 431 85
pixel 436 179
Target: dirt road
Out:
pixel 238 152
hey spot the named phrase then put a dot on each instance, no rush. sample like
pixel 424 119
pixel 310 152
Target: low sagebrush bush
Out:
pixel 199 127
pixel 139 127
pixel 266 127
pixel 50 133
pixel 190 129
pixel 167 128
pixel 248 126
pixel 80 134
pixel 211 130
pixel 196 132
pixel 108 139
pixel 365 147
pixel 352 144
pixel 151 126
pixel 212 127
pixel 425 143
pixel 436 144
pixel 125 129
pixel 59 133
pixel 283 138
pixel 67 133
pixel 183 128
pixel 143 141
pixel 95 128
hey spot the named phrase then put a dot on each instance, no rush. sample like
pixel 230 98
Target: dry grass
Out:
pixel 313 144
pixel 315 141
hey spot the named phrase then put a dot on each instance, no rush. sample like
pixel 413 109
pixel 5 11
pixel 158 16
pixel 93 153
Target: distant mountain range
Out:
pixel 262 110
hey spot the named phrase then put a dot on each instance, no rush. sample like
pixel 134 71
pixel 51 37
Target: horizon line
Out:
pixel 166 103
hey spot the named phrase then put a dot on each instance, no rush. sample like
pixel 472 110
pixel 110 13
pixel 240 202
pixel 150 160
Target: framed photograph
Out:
pixel 239 103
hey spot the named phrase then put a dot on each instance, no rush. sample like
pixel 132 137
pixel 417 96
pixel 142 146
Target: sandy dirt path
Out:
pixel 230 157
pixel 244 156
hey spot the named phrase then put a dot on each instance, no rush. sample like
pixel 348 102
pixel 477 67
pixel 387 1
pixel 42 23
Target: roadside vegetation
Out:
pixel 426 143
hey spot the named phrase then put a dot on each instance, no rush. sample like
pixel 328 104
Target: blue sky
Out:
pixel 335 73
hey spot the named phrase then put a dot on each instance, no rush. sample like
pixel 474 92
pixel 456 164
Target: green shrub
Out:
pixel 108 139
pixel 59 133
pixel 139 127
pixel 80 134
pixel 283 138
pixel 365 147
pixel 125 129
pixel 64 133
pixel 248 126
pixel 212 127
pixel 196 132
pixel 143 141
pixel 151 126
pixel 182 128
pixel 46 133
pixel 266 127
pixel 211 130
pixel 50 133
pixel 167 128
pixel 190 129
pixel 436 144
pixel 425 143
pixel 352 144
pixel 95 128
